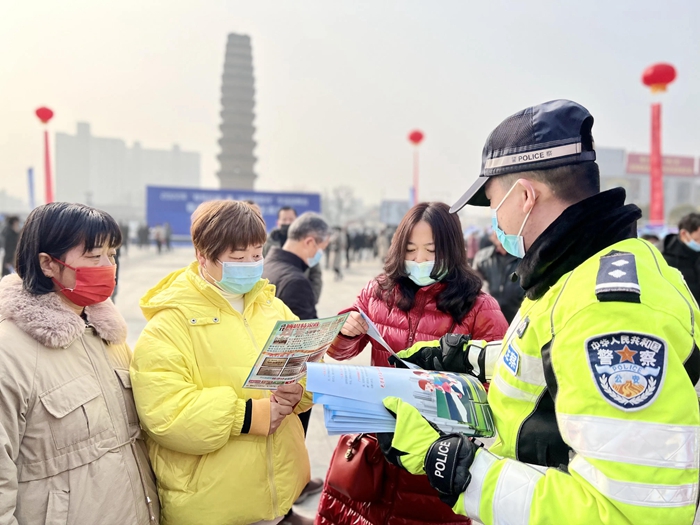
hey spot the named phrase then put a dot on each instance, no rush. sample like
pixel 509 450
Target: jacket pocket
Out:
pixel 127 392
pixel 57 510
pixel 77 411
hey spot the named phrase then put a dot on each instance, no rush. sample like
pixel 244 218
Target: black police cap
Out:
pixel 552 134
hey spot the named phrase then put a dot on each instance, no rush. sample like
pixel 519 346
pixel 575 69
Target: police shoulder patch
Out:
pixel 617 278
pixel 628 367
pixel 511 358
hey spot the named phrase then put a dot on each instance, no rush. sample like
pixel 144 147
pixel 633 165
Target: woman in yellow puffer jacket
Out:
pixel 222 454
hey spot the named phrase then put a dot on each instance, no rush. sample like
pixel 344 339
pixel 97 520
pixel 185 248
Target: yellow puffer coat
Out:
pixel 188 370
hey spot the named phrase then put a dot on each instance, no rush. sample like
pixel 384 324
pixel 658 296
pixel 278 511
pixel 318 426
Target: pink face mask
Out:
pixel 93 284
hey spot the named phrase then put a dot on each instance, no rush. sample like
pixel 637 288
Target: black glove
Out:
pixel 447 466
pixel 446 355
pixel 418 446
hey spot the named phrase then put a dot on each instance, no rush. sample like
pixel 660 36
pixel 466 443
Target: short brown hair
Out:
pixel 218 226
pixel 570 184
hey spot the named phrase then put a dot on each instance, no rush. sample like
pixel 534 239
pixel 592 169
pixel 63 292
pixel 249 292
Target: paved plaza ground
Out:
pixel 141 269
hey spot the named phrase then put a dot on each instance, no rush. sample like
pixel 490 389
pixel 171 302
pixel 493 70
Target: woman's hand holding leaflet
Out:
pixel 282 403
pixel 277 414
pixel 288 395
pixel 354 325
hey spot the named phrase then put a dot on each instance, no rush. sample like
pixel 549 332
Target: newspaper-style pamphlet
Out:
pixel 352 398
pixel 291 345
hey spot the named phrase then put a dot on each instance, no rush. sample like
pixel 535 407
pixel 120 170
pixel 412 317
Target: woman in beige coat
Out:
pixel 70 444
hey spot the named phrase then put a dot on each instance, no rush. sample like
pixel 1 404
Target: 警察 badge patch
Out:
pixel 628 367
pixel 511 359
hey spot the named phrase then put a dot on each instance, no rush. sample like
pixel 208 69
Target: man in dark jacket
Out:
pixel 285 217
pixel 682 251
pixel 286 268
pixel 495 265
pixel 10 237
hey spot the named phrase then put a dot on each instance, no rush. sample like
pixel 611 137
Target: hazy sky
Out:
pixel 340 83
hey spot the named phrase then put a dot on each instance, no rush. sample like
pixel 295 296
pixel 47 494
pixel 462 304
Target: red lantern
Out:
pixel 44 114
pixel 658 76
pixel 416 137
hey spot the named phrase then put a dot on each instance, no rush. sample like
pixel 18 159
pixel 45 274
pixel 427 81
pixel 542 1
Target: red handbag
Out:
pixel 357 468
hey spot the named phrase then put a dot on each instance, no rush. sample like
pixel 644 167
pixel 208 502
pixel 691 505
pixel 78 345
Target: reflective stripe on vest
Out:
pixel 510 391
pixel 639 494
pixel 634 442
pixel 530 369
pixel 513 497
pixel 472 496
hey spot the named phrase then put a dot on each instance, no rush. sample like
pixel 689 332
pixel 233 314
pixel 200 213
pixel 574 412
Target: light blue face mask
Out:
pixel 419 273
pixel 513 244
pixel 315 259
pixel 693 245
pixel 240 277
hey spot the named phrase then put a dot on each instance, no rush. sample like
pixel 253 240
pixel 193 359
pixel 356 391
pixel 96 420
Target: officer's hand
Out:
pixel 408 445
pixel 455 355
pixel 422 354
pixel 418 447
pixel 447 465
pixel 448 354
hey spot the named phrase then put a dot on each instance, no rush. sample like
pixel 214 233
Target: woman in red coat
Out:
pixel 427 290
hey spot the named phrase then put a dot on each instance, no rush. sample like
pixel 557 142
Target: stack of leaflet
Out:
pixel 352 398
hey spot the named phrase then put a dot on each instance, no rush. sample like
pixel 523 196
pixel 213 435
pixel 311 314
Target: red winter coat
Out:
pixel 408 499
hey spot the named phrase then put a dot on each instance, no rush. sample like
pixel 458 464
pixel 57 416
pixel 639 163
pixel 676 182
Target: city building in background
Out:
pixel 237 115
pixel 10 205
pixel 631 171
pixel 391 212
pixel 106 173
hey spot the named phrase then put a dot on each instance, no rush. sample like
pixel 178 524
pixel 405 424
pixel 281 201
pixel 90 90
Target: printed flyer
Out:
pixel 291 345
pixel 352 398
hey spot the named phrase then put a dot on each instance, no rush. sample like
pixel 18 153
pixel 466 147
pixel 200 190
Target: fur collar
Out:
pixel 46 318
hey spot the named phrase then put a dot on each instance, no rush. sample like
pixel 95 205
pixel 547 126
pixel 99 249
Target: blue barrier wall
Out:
pixel 175 205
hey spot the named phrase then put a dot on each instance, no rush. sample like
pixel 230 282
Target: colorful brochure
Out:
pixel 352 398
pixel 291 345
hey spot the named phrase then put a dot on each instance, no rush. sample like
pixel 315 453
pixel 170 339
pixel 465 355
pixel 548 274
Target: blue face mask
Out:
pixel 315 259
pixel 513 244
pixel 240 277
pixel 419 273
pixel 693 245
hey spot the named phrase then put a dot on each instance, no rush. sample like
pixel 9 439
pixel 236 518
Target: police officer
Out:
pixel 593 389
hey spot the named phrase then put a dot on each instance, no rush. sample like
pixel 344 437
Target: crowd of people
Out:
pixel 584 334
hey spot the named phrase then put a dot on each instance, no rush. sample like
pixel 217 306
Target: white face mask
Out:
pixel 419 273
pixel 315 259
pixel 693 245
pixel 513 244
pixel 239 277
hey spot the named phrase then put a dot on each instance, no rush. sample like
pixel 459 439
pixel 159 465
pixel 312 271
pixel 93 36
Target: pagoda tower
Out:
pixel 237 116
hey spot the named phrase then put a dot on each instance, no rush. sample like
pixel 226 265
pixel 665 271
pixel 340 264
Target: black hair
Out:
pixel 12 219
pixel 55 229
pixel 287 208
pixel 570 184
pixel 462 283
pixel 689 223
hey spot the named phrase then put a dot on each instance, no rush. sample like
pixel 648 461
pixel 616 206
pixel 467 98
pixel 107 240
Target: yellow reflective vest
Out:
pixel 594 401
pixel 188 370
